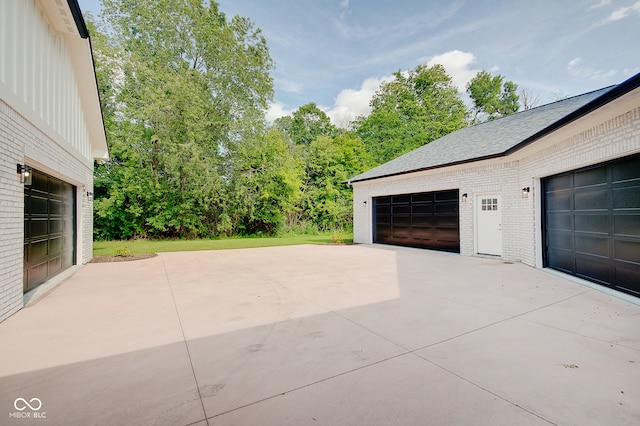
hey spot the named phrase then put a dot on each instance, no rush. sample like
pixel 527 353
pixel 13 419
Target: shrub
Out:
pixel 124 251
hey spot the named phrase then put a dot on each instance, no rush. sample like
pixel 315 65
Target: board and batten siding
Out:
pixel 37 76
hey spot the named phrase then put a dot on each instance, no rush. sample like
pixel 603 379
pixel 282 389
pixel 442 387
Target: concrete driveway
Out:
pixel 321 335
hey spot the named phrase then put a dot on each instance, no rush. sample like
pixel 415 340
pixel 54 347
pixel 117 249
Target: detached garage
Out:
pixel 556 186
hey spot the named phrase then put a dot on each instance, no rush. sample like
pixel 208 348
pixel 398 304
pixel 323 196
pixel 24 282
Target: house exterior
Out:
pixel 51 130
pixel 556 186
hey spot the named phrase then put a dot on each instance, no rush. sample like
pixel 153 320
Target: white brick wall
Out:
pixel 612 132
pixel 23 143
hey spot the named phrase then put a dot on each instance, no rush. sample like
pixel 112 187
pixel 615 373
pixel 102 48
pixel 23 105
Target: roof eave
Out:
pixel 78 18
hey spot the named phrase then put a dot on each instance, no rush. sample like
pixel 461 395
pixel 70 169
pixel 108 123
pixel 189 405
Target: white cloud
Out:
pixel 275 111
pixel 350 103
pixel 458 66
pixel 576 69
pixel 344 4
pixel 289 86
pixel 603 3
pixel 623 12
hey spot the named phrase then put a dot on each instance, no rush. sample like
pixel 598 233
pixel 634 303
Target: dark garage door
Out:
pixel 592 224
pixel 426 220
pixel 49 228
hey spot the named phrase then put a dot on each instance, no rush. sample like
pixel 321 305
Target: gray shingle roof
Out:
pixel 491 139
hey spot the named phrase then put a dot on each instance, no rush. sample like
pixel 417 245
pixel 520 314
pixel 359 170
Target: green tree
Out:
pixel 186 84
pixel 492 96
pixel 411 110
pixel 327 200
pixel 307 123
pixel 265 186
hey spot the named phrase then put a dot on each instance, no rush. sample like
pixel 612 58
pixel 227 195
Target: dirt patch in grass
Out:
pixel 107 259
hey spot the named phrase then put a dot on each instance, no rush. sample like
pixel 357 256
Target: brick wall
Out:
pixel 597 137
pixel 23 143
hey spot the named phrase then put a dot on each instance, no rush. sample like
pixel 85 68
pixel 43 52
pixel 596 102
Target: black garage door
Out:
pixel 592 224
pixel 426 220
pixel 49 228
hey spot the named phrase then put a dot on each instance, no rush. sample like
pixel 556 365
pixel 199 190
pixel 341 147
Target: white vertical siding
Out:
pixel 37 76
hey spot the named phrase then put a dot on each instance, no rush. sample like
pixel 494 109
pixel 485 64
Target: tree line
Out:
pixel 184 90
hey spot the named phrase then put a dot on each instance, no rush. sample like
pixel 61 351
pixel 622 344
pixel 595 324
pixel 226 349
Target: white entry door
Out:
pixel 489 226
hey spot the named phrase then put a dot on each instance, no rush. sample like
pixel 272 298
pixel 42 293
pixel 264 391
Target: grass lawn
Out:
pixel 109 248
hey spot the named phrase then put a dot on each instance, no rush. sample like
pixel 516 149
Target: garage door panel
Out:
pixel 449 196
pixel 427 220
pixel 563 260
pixel 38 272
pixel 626 225
pixel 598 236
pixel 560 183
pixel 559 221
pixel 38 249
pixel 443 235
pixel 589 178
pixel 589 268
pixel 422 209
pixel 559 201
pixel 398 199
pixel 38 205
pixel 593 245
pixel 55 186
pixel 560 240
pixel 403 209
pixel 39 182
pixel 446 209
pixel 384 212
pixel 446 221
pixel 627 170
pixel 628 279
pixel 598 223
pixel 54 265
pixel 55 245
pixel 56 226
pixel 592 200
pixel 401 231
pixel 425 197
pixel 56 207
pixel 629 251
pixel 38 227
pixel 401 220
pixel 422 221
pixel 626 198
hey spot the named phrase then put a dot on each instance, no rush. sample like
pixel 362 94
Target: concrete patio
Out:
pixel 321 335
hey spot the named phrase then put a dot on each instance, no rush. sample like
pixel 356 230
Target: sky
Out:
pixel 337 52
